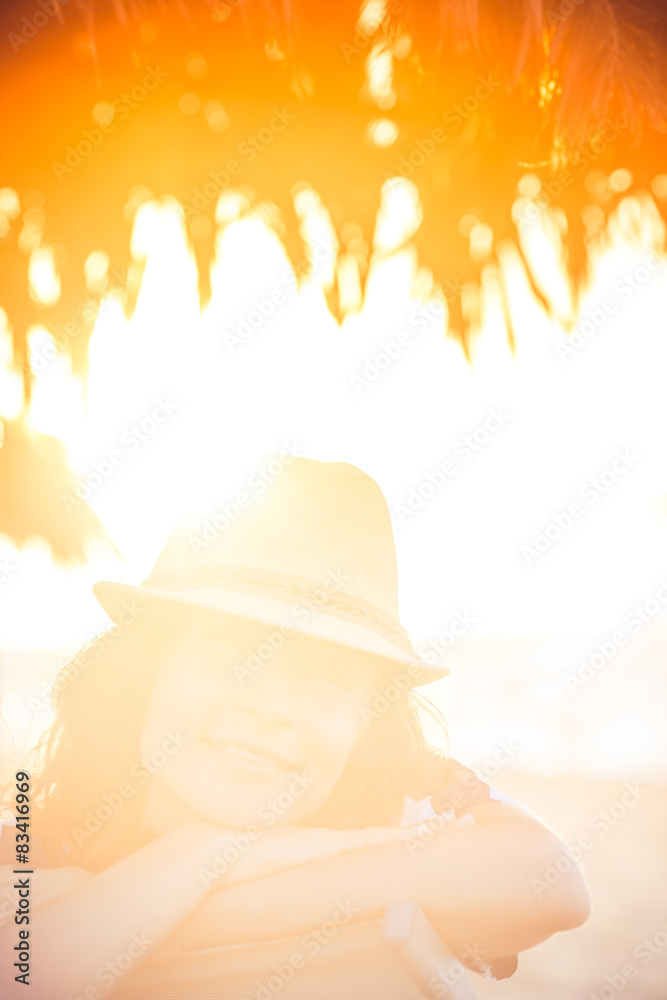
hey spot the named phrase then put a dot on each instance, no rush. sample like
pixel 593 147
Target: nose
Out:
pixel 270 695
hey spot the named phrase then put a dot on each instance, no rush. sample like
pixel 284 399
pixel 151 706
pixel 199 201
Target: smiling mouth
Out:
pixel 253 761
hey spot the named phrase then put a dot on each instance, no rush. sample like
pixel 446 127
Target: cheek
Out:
pixel 334 738
pixel 182 700
pixel 333 741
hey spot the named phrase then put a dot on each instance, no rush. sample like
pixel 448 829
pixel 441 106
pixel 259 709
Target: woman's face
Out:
pixel 242 734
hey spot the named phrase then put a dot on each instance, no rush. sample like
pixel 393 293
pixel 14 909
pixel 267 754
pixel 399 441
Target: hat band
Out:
pixel 289 588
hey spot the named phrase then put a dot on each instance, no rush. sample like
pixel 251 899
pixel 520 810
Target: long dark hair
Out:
pixel 91 750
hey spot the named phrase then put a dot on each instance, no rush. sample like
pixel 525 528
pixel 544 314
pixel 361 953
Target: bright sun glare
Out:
pixel 192 416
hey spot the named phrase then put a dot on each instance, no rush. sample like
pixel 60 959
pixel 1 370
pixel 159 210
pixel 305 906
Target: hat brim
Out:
pixel 253 607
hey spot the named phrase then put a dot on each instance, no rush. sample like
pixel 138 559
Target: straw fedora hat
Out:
pixel 312 553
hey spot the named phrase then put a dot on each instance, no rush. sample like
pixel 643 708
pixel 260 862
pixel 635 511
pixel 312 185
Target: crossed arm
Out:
pixel 476 883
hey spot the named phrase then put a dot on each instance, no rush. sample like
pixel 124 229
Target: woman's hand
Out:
pixel 287 846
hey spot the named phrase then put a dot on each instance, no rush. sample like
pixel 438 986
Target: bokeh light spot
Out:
pixel 467 223
pixel 402 47
pixel 103 113
pixel 196 65
pixel 96 270
pixel 371 15
pixel 529 186
pixel 189 104
pixel 9 202
pixel 481 241
pixel 231 205
pixel 382 132
pixel 216 116
pixel 620 180
pixel 659 186
pixel 42 277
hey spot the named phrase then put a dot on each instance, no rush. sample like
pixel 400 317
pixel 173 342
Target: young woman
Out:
pixel 247 734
